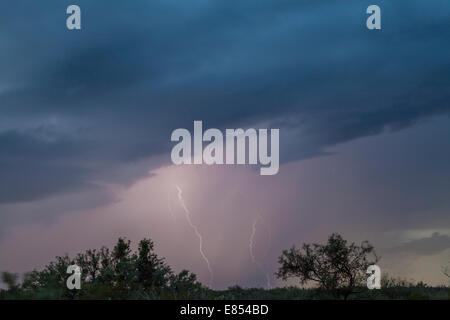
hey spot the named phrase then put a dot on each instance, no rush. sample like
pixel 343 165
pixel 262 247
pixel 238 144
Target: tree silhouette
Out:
pixel 336 267
pixel 119 273
pixel 152 272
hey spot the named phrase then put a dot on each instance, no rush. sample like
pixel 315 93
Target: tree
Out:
pixel 89 262
pixel 120 273
pixel 152 272
pixel 53 275
pixel 123 264
pixel 336 267
pixel 51 281
pixel 185 286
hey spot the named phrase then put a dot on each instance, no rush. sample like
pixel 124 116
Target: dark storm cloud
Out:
pixel 434 244
pixel 32 166
pixel 138 70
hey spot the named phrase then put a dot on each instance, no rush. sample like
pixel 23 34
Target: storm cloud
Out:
pixel 114 91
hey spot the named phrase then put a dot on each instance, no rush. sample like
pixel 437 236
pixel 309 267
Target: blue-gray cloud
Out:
pixel 115 90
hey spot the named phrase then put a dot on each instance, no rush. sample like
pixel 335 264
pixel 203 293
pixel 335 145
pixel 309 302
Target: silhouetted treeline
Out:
pixel 337 268
pixel 117 274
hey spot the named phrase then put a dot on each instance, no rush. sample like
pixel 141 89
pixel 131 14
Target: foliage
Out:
pixel 336 267
pixel 122 273
pixel 117 274
pixel 409 292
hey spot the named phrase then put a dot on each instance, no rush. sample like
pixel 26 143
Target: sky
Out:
pixel 86 118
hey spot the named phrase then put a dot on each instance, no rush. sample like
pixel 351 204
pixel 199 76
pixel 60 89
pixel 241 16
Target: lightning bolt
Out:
pixel 252 255
pixel 199 236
